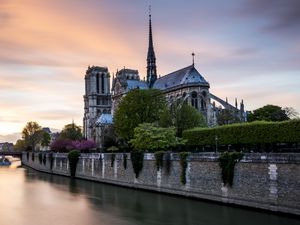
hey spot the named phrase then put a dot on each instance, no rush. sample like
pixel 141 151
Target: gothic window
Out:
pixel 203 105
pixel 99 102
pixel 195 100
pixel 97 83
pixel 184 97
pixel 102 83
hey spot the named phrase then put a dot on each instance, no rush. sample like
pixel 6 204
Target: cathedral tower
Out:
pixel 151 60
pixel 97 98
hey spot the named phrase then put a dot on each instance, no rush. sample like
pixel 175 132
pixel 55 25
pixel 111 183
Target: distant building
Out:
pixel 185 84
pixel 6 146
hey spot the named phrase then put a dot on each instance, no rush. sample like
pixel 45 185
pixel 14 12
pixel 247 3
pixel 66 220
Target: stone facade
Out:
pixel 97 99
pixel 264 181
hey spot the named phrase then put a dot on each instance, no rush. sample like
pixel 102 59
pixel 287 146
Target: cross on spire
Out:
pixel 193 55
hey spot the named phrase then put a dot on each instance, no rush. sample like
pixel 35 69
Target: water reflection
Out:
pixel 117 205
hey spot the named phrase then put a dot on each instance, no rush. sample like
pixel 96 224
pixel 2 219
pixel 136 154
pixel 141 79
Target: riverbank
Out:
pixel 262 181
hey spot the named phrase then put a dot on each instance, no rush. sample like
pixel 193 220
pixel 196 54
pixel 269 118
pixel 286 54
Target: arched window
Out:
pixel 97 82
pixel 102 83
pixel 195 99
pixel 203 104
pixel 184 97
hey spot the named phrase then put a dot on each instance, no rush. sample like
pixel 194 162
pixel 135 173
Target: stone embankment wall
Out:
pixel 265 181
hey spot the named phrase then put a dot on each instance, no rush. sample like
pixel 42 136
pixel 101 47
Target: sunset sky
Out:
pixel 249 49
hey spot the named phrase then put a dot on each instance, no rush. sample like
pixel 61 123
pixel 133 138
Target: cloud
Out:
pixel 280 15
pixel 10 137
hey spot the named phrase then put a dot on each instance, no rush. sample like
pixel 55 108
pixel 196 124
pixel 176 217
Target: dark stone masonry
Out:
pixel 264 181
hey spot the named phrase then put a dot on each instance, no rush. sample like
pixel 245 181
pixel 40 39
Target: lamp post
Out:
pixel 216 139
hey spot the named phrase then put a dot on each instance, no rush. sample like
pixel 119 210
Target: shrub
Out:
pixel 183 162
pixel 245 134
pixel 227 163
pixel 50 156
pixel 83 145
pixel 168 162
pixel 112 149
pixel 65 145
pixel 73 157
pixel 112 159
pixel 125 161
pixel 147 136
pixel 137 158
pixel 40 157
pixel 159 159
pixel 61 145
pixel 44 159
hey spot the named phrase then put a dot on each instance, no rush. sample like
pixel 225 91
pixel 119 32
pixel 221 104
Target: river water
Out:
pixel 28 197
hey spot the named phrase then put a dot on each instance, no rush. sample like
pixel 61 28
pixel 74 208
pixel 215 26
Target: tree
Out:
pixel 147 136
pixel 32 134
pixel 66 145
pixel 138 106
pixel 182 117
pixel 45 139
pixel 291 112
pixel 271 113
pixel 226 116
pixel 71 132
pixel 20 145
pixel 61 145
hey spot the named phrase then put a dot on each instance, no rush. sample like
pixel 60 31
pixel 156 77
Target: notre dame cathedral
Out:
pixel 186 84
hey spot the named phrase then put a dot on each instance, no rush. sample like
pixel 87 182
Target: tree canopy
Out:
pixel 32 134
pixel 226 116
pixel 272 113
pixel 138 106
pixel 182 117
pixel 46 138
pixel 147 136
pixel 71 132
pixel 20 145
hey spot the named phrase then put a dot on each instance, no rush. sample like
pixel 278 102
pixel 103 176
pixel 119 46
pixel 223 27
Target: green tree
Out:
pixel 46 138
pixel 226 116
pixel 271 113
pixel 182 117
pixel 147 136
pixel 32 134
pixel 20 145
pixel 71 132
pixel 138 106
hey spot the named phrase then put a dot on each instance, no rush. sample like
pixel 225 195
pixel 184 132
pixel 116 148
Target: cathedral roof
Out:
pixel 105 118
pixel 187 75
pixel 134 84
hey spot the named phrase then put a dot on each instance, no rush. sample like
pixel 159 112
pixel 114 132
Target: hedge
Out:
pixel 245 133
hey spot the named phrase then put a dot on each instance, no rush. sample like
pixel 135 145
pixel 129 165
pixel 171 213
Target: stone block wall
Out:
pixel 265 181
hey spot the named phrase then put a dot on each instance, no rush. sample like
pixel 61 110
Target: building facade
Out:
pixel 97 98
pixel 184 85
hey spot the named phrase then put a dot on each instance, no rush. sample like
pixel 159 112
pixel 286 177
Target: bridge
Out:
pixel 10 153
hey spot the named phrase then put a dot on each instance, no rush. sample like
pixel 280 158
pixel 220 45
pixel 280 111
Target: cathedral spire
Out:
pixel 151 60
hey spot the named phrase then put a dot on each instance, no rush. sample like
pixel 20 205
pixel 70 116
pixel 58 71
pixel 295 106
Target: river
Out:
pixel 28 197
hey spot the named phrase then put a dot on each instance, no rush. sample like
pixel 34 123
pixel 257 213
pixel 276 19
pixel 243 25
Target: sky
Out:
pixel 248 49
